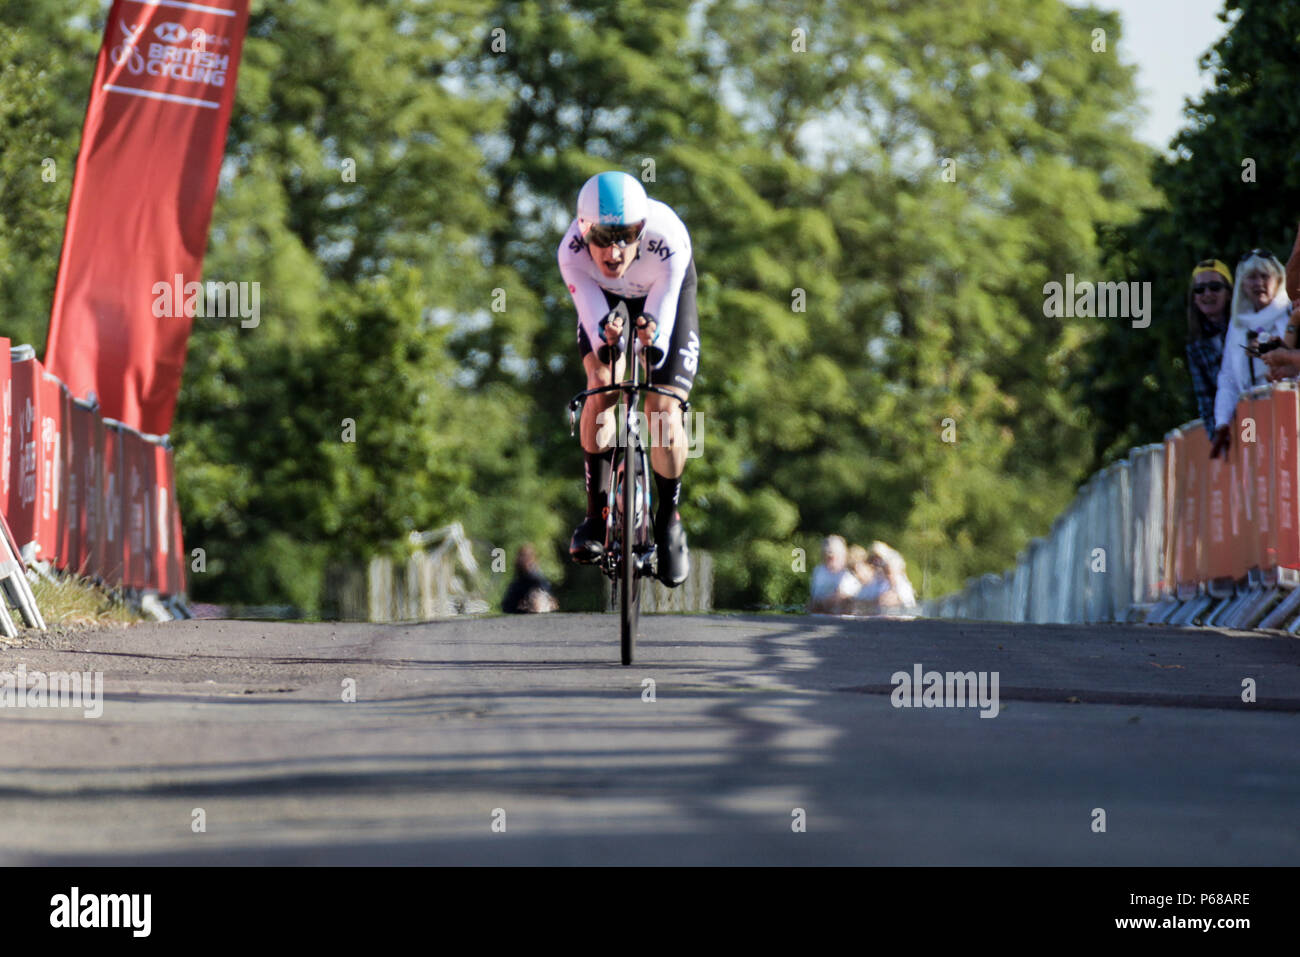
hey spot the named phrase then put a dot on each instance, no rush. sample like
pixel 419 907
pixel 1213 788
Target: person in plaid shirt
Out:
pixel 1208 296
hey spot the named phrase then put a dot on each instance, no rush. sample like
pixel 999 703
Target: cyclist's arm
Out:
pixel 588 298
pixel 661 303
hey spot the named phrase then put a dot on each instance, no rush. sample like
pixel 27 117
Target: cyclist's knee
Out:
pixel 663 405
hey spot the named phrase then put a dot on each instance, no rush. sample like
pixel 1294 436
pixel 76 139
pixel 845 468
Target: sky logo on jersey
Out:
pixel 611 199
pixel 660 248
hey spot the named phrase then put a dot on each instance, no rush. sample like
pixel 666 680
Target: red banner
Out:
pixel 136 477
pixel 1194 456
pixel 25 477
pixel 1286 464
pixel 53 466
pixel 160 549
pixel 88 475
pixel 176 576
pixel 1256 474
pixel 112 549
pixel 151 151
pixel 7 443
pixel 1172 564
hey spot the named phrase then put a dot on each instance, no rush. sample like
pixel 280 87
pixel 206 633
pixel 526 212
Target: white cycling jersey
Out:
pixel 663 253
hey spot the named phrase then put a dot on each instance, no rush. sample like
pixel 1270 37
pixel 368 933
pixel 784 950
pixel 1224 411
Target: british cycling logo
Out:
pixel 167 59
pixel 125 52
pixel 170 32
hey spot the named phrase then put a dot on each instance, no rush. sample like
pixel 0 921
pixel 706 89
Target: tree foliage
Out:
pixel 876 194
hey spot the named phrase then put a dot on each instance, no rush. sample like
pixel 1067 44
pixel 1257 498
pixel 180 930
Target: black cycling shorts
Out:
pixel 684 345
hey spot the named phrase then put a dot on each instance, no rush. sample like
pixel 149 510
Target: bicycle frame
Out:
pixel 628 447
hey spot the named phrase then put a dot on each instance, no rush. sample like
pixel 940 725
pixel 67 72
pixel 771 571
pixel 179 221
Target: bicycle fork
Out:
pixel 643 543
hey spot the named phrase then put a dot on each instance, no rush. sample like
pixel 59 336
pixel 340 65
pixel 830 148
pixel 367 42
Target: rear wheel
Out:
pixel 629 582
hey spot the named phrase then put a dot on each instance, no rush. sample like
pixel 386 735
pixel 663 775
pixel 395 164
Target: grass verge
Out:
pixel 74 602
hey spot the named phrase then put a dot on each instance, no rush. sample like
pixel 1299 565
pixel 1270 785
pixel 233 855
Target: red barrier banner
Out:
pixel 161 546
pixel 53 539
pixel 179 559
pixel 136 482
pixel 1254 439
pixel 25 489
pixel 87 433
pixel 1172 564
pixel 1237 514
pixel 113 548
pixel 1286 464
pixel 1196 501
pixel 6 425
pixel 1217 548
pixel 1265 491
pixel 151 151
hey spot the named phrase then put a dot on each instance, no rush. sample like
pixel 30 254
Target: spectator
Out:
pixel 1260 309
pixel 858 565
pixel 1285 363
pixel 529 592
pixel 1208 295
pixel 890 592
pixel 833 585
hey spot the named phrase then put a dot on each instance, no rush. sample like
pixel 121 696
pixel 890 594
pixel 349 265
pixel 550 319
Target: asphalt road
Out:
pixel 531 725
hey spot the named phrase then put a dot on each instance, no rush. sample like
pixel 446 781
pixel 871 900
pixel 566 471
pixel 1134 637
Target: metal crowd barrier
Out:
pixel 1169 536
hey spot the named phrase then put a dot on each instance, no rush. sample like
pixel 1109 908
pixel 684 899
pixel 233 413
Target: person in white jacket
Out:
pixel 1259 306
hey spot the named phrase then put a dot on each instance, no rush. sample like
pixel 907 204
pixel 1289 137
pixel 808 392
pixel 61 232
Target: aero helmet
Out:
pixel 612 208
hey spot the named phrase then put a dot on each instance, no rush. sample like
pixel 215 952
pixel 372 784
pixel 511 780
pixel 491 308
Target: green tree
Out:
pixel 965 153
pixel 45 53
pixel 1230 185
pixel 353 194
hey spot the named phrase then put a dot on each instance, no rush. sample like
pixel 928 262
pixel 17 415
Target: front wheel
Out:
pixel 629 580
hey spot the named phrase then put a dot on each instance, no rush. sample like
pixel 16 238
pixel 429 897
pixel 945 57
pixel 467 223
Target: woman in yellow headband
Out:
pixel 1208 295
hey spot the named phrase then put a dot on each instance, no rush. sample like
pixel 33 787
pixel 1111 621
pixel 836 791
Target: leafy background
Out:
pixel 818 169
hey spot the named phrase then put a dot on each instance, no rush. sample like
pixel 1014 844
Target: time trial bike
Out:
pixel 629 553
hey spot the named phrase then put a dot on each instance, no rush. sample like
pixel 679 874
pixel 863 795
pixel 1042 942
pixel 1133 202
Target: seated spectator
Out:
pixel 1208 295
pixel 833 585
pixel 857 564
pixel 890 592
pixel 1260 311
pixel 529 592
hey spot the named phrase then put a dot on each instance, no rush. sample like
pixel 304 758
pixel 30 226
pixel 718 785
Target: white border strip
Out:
pixel 181 5
pixel 169 97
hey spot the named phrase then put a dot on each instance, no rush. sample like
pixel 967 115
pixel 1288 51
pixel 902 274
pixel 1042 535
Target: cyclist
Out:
pixel 625 247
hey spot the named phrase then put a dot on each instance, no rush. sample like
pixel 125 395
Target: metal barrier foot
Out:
pixel 1289 605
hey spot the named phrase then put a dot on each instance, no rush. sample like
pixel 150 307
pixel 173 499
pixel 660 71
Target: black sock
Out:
pixel 669 491
pixel 597 475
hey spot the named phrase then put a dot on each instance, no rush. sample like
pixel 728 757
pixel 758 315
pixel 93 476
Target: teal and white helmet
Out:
pixel 612 209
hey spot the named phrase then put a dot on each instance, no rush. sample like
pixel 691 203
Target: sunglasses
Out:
pixel 1215 286
pixel 604 236
pixel 1256 252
